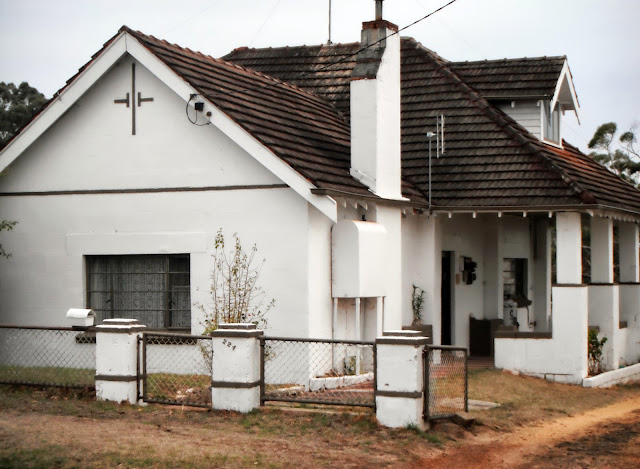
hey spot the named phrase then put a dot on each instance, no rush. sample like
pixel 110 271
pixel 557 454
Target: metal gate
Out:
pixel 446 382
pixel 318 371
pixel 175 369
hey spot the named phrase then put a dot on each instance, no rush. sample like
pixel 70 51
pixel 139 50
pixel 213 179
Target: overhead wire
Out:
pixel 326 67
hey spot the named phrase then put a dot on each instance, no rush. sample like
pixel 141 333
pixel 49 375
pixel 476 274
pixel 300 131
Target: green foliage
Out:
pixel 595 352
pixel 621 156
pixel 18 104
pixel 417 302
pixel 8 226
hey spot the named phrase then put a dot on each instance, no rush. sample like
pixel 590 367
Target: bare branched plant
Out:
pixel 236 296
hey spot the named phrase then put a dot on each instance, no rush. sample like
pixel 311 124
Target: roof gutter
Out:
pixel 371 197
pixel 587 208
pixel 444 209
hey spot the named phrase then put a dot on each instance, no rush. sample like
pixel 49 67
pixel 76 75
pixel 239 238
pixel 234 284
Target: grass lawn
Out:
pixel 47 375
pixel 524 400
pixel 65 428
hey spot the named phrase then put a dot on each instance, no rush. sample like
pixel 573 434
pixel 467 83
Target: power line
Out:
pixel 265 22
pixel 342 60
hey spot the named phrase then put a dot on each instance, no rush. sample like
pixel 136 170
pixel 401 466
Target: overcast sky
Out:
pixel 45 42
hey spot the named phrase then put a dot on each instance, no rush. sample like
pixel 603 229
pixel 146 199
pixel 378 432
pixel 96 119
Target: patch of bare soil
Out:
pixel 604 437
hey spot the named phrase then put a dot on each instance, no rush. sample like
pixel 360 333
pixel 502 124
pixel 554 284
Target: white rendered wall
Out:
pixel 493 286
pixel 391 219
pixel 421 264
pixel 319 274
pixel 568 248
pixel 92 148
pixel 562 358
pixel 527 114
pixel 604 311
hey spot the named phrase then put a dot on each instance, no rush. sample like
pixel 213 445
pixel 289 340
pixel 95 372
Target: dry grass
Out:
pixel 524 400
pixel 63 428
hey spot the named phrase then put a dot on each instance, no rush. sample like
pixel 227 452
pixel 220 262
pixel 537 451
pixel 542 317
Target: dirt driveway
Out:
pixel 605 437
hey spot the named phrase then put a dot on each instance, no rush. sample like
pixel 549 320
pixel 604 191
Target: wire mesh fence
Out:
pixel 318 371
pixel 176 369
pixel 446 383
pixel 47 356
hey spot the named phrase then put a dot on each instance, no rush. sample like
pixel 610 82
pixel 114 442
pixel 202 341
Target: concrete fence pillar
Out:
pixel 400 378
pixel 235 381
pixel 117 360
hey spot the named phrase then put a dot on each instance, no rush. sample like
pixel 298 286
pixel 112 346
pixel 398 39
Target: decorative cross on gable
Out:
pixel 132 104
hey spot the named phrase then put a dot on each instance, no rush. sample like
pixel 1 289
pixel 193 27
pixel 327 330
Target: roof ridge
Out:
pixel 507 59
pixel 329 46
pixel 508 125
pixel 206 57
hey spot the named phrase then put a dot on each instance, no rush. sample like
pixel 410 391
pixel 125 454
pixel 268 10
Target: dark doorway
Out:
pixel 445 296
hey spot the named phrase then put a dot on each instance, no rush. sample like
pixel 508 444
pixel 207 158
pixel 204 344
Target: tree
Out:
pixel 18 104
pixel 8 226
pixel 621 156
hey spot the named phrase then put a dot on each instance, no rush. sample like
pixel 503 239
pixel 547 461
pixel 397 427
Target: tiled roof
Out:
pixel 490 160
pixel 512 78
pixel 309 67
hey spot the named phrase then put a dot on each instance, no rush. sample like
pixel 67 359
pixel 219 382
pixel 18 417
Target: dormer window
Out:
pixel 550 123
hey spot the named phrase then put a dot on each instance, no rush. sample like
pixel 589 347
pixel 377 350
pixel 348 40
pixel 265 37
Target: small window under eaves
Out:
pixel 551 123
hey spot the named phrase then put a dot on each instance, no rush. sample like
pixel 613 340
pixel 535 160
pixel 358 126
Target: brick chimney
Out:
pixel 375 109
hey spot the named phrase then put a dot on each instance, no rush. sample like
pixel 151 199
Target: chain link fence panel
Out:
pixel 42 356
pixel 446 381
pixel 318 371
pixel 176 369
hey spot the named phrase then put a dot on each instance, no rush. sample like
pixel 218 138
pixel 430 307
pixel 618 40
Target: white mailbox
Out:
pixel 81 317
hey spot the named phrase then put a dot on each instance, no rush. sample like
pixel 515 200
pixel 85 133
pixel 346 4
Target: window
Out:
pixel 514 276
pixel 154 289
pixel 551 123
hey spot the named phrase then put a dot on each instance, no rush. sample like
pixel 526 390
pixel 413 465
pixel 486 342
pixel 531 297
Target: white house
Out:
pixel 320 156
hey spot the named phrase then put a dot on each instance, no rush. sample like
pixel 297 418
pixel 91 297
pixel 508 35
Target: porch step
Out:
pixel 478 363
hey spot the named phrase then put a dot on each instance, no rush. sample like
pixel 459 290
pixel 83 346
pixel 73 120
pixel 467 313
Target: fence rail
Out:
pixel 176 369
pixel 317 371
pixel 445 381
pixel 47 356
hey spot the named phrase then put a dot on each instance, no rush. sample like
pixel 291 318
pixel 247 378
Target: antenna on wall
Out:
pixel 439 135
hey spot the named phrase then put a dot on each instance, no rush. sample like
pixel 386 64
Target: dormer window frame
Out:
pixel 564 99
pixel 550 119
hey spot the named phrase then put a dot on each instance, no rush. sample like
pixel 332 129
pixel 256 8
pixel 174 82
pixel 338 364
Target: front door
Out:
pixel 445 295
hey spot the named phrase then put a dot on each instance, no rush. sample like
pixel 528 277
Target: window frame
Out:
pixel 166 292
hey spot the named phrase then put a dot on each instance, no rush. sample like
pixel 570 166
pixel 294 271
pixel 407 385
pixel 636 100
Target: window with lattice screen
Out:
pixel 154 289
